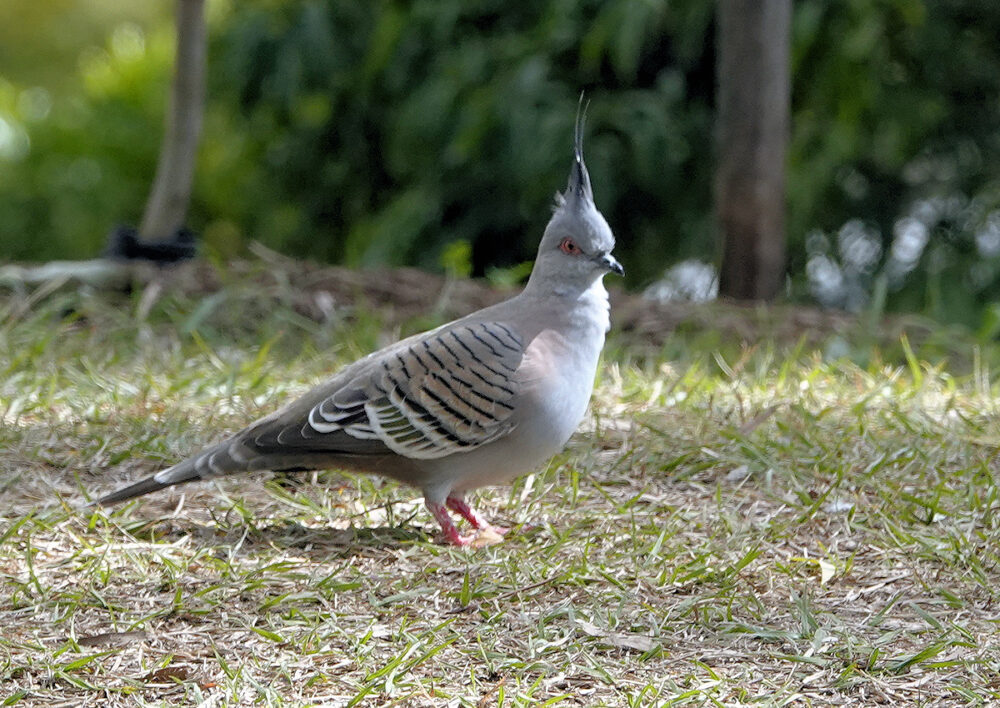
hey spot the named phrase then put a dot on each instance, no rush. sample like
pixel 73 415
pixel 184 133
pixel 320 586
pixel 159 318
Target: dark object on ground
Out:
pixel 124 244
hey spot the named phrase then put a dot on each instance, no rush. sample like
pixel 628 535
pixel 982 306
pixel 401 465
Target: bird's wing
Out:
pixel 449 391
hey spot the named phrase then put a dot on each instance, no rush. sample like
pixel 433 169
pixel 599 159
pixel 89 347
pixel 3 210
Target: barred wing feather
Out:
pixel 446 393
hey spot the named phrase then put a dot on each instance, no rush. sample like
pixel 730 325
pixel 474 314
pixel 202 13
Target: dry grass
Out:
pixel 764 527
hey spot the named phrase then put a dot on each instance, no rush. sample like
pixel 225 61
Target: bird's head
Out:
pixel 576 247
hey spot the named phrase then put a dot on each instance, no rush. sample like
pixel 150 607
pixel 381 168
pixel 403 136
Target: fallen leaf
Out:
pixel 485 700
pixel 755 422
pixel 168 674
pixel 97 640
pixel 486 537
pixel 738 474
pixel 622 640
pixel 838 506
pixel 826 571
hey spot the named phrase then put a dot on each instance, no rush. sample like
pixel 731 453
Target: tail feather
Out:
pixel 186 471
pixel 222 459
pixel 141 487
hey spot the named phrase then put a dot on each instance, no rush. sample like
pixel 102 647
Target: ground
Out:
pixel 765 507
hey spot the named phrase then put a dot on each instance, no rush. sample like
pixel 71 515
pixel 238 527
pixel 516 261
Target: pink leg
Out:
pixel 447 526
pixel 457 503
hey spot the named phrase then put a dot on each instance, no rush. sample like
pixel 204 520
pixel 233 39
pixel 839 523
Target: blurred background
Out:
pixel 435 133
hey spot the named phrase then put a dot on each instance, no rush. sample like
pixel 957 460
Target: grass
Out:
pixel 751 523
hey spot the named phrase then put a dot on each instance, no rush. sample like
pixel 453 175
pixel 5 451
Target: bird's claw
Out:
pixel 485 535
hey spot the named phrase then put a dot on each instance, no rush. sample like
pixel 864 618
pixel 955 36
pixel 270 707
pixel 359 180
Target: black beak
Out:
pixel 611 264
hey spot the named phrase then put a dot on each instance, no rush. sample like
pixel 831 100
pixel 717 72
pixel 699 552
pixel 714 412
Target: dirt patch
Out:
pixel 401 295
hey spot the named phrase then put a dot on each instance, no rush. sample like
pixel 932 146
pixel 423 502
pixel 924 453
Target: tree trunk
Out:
pixel 752 132
pixel 167 207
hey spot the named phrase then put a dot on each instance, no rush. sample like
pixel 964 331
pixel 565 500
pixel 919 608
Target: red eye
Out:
pixel 567 246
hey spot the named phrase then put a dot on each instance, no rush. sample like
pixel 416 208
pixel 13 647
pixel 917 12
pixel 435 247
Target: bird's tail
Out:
pixel 145 486
pixel 209 463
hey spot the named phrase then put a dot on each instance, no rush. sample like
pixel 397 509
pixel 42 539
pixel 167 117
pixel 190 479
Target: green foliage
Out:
pixel 893 127
pixel 76 166
pixel 379 133
pixel 398 131
pixel 456 259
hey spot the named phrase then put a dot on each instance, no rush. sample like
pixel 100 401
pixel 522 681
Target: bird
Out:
pixel 475 402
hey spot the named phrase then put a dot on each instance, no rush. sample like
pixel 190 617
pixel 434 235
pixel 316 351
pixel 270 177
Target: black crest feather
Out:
pixel 579 191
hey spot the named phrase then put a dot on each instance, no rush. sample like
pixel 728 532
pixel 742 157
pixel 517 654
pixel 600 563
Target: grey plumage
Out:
pixel 474 402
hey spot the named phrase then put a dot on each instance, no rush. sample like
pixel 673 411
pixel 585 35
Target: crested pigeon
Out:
pixel 475 402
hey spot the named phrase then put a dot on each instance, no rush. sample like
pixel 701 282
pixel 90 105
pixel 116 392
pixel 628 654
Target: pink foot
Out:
pixel 486 535
pixel 451 533
pixel 457 503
